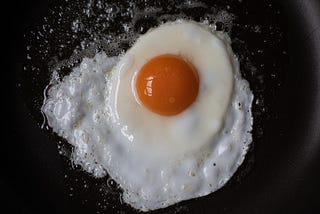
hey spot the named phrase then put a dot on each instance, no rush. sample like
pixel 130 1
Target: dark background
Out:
pixel 286 174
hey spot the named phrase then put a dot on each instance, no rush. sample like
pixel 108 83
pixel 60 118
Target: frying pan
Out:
pixel 280 175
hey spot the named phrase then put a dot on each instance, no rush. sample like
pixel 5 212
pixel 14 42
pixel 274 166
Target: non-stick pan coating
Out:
pixel 281 175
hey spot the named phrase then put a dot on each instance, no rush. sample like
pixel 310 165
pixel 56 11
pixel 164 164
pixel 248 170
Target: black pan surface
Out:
pixel 280 175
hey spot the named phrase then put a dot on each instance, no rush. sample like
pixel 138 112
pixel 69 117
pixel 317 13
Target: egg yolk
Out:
pixel 167 84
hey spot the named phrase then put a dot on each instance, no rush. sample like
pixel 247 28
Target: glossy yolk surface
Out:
pixel 167 84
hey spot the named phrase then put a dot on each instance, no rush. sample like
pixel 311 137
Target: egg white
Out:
pixel 157 160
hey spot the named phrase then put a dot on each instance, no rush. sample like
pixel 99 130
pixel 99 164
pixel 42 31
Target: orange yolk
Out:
pixel 167 84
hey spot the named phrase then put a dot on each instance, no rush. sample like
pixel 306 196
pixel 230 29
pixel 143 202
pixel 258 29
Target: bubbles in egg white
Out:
pixel 81 108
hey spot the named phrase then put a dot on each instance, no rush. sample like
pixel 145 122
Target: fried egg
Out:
pixel 169 120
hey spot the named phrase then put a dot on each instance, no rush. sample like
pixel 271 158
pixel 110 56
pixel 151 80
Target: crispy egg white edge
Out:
pixel 84 151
